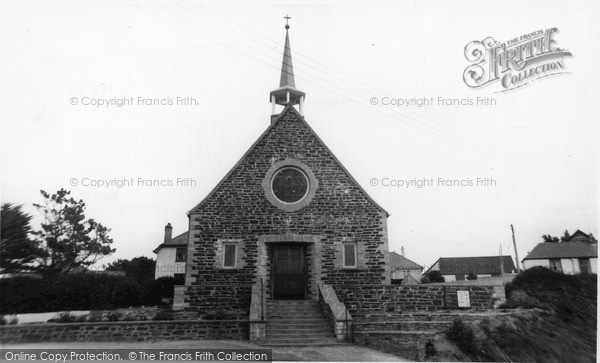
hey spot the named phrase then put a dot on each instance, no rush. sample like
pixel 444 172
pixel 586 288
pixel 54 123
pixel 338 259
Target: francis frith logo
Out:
pixel 516 62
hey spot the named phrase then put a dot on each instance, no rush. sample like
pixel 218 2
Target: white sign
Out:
pixel 464 301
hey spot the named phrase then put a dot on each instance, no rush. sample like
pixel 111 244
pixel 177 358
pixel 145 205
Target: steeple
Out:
pixel 287 92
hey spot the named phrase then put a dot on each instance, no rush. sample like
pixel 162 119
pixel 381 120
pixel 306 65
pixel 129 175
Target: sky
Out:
pixel 192 79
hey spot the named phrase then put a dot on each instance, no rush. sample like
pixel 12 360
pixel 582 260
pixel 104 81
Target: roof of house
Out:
pixel 580 236
pixel 547 250
pixel 479 265
pixel 178 241
pixel 400 262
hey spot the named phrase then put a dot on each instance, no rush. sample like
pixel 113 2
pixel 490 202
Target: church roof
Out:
pixel 179 241
pixel 288 109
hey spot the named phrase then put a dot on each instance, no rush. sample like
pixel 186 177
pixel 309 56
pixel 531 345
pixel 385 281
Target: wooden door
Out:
pixel 289 272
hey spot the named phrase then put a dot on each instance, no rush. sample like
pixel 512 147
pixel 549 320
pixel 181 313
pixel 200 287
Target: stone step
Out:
pixel 293 322
pixel 302 340
pixel 296 334
pixel 327 343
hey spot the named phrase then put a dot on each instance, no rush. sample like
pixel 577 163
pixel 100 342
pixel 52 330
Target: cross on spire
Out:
pixel 287 18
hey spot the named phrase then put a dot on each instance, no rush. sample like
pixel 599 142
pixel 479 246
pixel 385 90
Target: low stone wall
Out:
pixel 125 331
pixel 364 300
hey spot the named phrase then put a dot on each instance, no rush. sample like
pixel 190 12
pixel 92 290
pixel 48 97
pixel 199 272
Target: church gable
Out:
pixel 289 141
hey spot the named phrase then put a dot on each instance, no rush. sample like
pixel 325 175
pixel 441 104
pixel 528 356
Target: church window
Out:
pixel 229 255
pixel 350 255
pixel 290 185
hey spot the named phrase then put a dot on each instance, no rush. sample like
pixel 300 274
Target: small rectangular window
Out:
pixel 179 279
pixel 350 258
pixel 584 266
pixel 180 255
pixel 229 255
pixel 555 265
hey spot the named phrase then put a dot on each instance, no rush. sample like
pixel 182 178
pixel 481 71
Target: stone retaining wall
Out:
pixel 125 331
pixel 365 300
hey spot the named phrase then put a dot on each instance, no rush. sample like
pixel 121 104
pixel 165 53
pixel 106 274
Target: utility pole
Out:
pixel 501 261
pixel 515 244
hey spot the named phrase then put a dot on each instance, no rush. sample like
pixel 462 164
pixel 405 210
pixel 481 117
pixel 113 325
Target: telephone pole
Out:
pixel 515 244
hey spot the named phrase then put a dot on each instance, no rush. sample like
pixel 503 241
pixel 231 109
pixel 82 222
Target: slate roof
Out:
pixel 398 262
pixel 479 265
pixel 547 250
pixel 178 241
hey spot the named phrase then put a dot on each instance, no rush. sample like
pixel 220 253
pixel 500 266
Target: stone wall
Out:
pixel 365 300
pixel 125 331
pixel 232 299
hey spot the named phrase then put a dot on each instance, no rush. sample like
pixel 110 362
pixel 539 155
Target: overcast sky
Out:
pixel 539 142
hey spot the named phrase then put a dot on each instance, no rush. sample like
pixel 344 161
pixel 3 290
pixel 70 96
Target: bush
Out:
pixel 163 315
pixel 2 320
pixel 432 276
pixel 95 316
pixel 114 316
pixel 65 317
pixel 464 337
pixel 472 276
pixel 83 291
pixel 571 296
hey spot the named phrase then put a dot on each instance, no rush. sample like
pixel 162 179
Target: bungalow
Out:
pixel 457 268
pixel 577 254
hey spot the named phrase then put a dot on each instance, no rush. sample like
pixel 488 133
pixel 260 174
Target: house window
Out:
pixel 350 255
pixel 180 254
pixel 229 255
pixel 555 264
pixel 584 266
pixel 179 279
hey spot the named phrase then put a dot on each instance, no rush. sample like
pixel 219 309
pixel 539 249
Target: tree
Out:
pixel 69 241
pixel 140 268
pixel 17 250
pixel 432 276
pixel 552 239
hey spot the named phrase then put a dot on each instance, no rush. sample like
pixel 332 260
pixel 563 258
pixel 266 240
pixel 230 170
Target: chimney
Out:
pixel 168 232
pixel 402 251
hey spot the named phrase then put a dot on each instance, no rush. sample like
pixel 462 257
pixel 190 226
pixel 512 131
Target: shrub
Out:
pixel 464 337
pixel 114 316
pixel 472 276
pixel 95 316
pixel 163 315
pixel 65 317
pixel 432 276
pixel 571 296
pixel 2 320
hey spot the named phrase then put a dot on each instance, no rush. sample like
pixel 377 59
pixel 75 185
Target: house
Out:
pixel 458 268
pixel 288 216
pixel 577 254
pixel 171 256
pixel 401 267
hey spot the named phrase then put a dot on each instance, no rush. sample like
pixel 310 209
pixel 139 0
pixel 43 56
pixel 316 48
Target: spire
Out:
pixel 287 92
pixel 287 68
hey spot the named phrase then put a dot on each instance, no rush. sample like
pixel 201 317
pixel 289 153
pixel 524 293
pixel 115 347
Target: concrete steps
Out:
pixel 297 323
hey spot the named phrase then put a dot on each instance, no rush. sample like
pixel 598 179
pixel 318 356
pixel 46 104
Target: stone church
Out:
pixel 287 216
